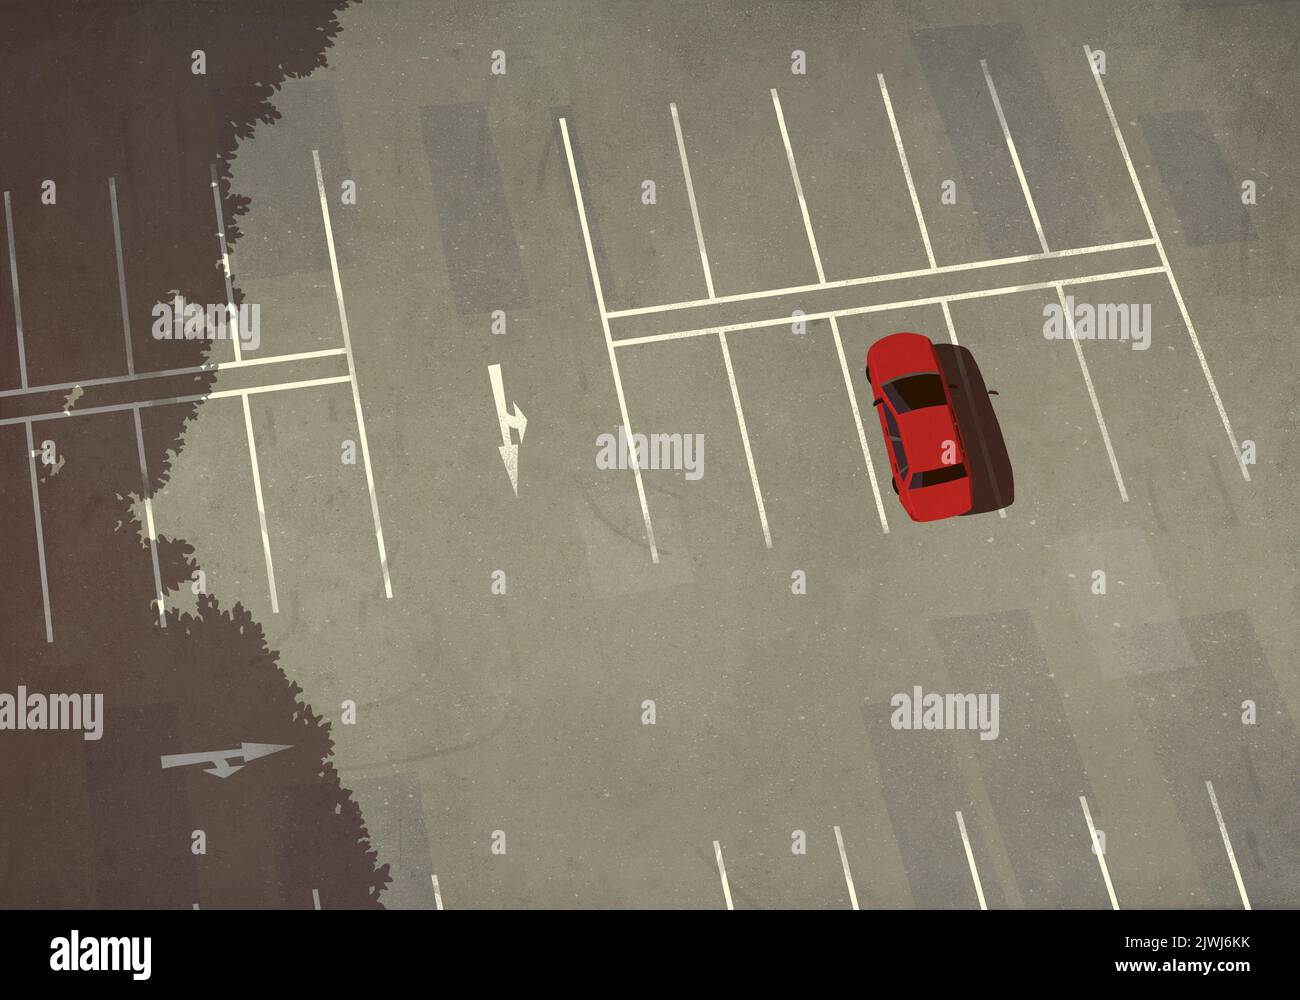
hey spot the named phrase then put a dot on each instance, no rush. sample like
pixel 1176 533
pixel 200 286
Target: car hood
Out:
pixel 904 353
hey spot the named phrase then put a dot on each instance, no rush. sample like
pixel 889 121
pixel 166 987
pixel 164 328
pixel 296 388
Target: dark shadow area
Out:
pixel 93 92
pixel 992 485
pixel 1203 189
pixel 949 56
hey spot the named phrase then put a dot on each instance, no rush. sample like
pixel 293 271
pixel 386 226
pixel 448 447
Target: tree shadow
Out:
pixel 93 92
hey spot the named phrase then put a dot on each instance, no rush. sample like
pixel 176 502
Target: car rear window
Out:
pixel 934 477
pixel 915 392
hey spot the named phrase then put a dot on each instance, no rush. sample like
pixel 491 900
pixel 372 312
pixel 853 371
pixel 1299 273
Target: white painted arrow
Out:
pixel 509 450
pixel 220 759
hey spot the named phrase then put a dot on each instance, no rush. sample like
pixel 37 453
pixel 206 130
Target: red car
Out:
pixel 920 428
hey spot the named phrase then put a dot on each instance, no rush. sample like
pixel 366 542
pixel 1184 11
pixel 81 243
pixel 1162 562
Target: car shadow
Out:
pixel 989 466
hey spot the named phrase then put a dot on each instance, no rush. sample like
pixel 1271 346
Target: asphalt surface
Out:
pixel 522 712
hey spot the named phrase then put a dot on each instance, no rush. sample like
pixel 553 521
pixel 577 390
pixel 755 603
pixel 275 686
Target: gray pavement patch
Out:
pixel 394 814
pixel 618 559
pixel 289 237
pixel 1132 628
pixel 925 826
pixel 1066 204
pixel 1203 4
pixel 119 772
pixel 1194 719
pixel 478 235
pixel 1205 195
pixel 1033 771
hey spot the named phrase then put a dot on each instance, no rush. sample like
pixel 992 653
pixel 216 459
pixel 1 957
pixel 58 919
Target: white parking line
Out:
pixel 722 868
pixel 857 423
pixel 248 417
pixel 907 171
pixel 121 276
pixel 744 437
pixel 210 366
pixel 1227 845
pixel 1164 259
pixel 690 194
pixel 947 318
pixel 145 496
pixel 169 400
pixel 1092 393
pixel 888 306
pixel 261 505
pixel 970 860
pixel 798 188
pixel 848 876
pixel 609 343
pixel 916 202
pixel 437 893
pixel 722 337
pixel 920 218
pixel 1015 157
pixel 1060 292
pixel 871 279
pixel 136 406
pixel 835 326
pixel 352 374
pixel 1098 850
pixel 225 260
pixel 13 279
pixel 40 532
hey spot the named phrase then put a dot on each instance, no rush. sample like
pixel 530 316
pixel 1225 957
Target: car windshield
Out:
pixel 896 442
pixel 934 477
pixel 915 392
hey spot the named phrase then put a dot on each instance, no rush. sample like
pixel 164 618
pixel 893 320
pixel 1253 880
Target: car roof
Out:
pixel 924 432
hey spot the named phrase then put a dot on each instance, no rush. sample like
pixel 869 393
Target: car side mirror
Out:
pixel 993 392
pixel 877 402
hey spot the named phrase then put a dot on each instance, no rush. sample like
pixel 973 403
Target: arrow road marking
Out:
pixel 220 759
pixel 509 450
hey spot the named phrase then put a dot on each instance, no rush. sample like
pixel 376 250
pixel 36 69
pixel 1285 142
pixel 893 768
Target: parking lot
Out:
pixel 945 172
